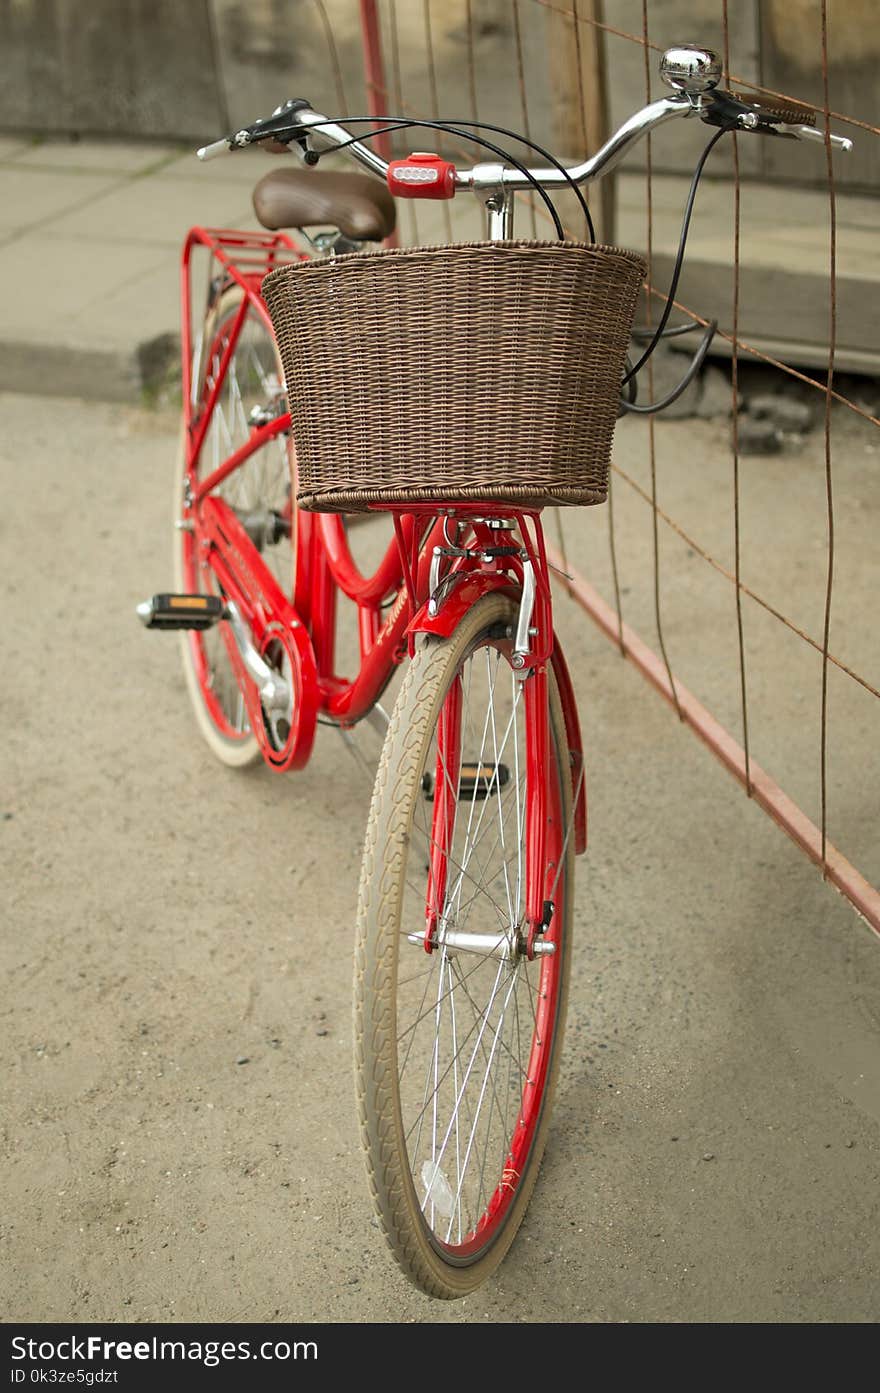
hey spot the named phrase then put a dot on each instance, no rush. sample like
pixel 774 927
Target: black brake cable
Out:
pixel 644 332
pixel 693 368
pixel 673 285
pixel 629 379
pixel 402 123
pixel 631 387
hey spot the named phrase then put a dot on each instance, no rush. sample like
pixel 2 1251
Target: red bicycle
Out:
pixel 467 888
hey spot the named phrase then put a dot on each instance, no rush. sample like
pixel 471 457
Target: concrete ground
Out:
pixel 179 1137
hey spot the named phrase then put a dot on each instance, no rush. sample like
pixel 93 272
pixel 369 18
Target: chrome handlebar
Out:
pixel 325 135
pixel 693 74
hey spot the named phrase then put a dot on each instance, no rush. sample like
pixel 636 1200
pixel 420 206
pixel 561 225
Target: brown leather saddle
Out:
pixel 357 204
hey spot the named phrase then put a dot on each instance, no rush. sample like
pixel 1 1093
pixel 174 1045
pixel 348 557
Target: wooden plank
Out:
pixel 776 303
pixel 791 49
pixel 579 103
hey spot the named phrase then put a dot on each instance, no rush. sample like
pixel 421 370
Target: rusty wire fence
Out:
pixel 753 576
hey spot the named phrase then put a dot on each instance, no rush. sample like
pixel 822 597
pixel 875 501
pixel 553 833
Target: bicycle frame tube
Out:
pixel 534 694
pixel 279 426
pixel 471 578
pixel 198 427
pixel 537 697
pixel 383 645
pixel 234 256
pixel 242 258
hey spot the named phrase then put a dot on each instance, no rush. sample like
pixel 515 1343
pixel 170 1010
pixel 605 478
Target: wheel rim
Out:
pixel 262 483
pixel 475 1033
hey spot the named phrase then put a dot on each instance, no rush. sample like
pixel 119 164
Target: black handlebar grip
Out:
pixel 280 122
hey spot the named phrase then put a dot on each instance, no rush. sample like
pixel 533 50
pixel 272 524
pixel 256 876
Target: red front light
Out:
pixel 422 175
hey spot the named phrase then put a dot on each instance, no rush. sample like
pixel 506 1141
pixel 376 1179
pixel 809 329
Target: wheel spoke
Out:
pixel 489 715
pixel 463 872
pixel 428 1098
pixel 482 1093
pixel 458 1095
pixel 423 1015
pixel 481 1015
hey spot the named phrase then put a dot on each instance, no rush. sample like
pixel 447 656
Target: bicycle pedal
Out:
pixel 181 611
pixel 475 781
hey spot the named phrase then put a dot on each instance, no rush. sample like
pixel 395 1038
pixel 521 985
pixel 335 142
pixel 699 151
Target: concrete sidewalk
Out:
pixel 90 235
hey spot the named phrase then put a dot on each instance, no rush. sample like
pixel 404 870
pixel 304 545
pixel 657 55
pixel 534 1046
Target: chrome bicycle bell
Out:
pixel 690 69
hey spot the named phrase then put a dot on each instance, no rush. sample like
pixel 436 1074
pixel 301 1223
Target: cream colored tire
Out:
pixel 387 964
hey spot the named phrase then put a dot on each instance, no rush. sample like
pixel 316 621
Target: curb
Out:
pixel 93 374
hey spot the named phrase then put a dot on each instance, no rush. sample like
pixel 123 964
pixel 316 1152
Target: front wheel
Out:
pixel 457 1049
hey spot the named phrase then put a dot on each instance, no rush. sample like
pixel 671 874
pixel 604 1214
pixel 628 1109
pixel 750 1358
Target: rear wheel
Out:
pixel 457 1050
pixel 260 491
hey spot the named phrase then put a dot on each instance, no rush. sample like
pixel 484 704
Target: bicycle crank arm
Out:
pixel 489 945
pixel 268 646
pixel 274 692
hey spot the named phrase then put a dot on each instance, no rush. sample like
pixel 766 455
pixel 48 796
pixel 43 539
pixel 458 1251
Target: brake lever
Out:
pixel 281 125
pixel 839 142
pixel 732 113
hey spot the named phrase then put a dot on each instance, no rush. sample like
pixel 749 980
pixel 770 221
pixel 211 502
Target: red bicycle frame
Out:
pixel 500 543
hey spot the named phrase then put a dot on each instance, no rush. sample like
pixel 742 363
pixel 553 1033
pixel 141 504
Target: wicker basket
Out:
pixel 485 370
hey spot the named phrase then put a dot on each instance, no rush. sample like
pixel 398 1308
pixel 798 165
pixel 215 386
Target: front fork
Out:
pixel 533 651
pixel 540 873
pixel 446 790
pixel 544 835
